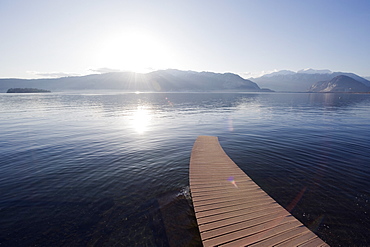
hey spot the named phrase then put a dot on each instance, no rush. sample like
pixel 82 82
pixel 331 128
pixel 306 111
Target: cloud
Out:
pixel 52 74
pixel 105 70
pixel 256 74
pixel 109 70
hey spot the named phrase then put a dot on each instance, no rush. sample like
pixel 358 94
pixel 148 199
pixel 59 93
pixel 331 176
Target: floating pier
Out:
pixel 232 210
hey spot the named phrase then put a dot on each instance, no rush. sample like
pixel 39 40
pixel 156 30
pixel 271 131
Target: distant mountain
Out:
pixel 340 83
pixel 161 81
pixel 300 81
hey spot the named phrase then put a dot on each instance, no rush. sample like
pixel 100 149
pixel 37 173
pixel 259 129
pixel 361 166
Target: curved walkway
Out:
pixel 231 210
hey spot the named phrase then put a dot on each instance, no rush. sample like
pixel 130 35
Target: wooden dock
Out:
pixel 232 210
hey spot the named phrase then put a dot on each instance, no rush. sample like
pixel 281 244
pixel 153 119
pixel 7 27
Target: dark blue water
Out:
pixel 112 169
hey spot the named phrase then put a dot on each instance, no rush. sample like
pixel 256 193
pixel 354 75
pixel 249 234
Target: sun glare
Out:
pixel 141 119
pixel 134 51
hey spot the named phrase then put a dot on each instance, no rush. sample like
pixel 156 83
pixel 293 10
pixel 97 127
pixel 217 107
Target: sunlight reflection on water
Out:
pixel 141 119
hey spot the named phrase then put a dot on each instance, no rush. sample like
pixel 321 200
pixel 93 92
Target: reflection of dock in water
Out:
pixel 231 210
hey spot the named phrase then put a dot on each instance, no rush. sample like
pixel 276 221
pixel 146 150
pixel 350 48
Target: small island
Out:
pixel 27 90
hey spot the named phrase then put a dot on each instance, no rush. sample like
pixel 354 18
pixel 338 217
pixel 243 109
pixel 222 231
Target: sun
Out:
pixel 134 50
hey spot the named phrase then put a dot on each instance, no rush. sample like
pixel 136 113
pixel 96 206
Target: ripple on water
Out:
pixel 76 171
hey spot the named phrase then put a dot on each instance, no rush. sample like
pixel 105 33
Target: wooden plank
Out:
pixel 231 214
pixel 281 237
pixel 252 234
pixel 232 210
pixel 206 196
pixel 267 219
pixel 238 218
pixel 297 240
pixel 219 202
pixel 313 242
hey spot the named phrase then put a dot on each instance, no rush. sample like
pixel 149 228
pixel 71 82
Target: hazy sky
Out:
pixel 41 38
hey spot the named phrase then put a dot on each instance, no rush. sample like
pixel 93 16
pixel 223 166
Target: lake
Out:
pixel 111 169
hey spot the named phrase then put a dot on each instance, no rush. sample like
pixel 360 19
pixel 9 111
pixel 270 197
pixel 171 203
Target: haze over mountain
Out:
pixel 157 81
pixel 340 83
pixel 314 71
pixel 300 81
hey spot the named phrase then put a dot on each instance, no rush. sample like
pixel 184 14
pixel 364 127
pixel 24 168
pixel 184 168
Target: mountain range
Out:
pixel 158 81
pixel 300 81
pixel 172 80
pixel 341 83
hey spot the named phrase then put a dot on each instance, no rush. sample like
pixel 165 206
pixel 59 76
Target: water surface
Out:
pixel 111 169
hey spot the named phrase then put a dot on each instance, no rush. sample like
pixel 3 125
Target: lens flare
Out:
pixel 232 181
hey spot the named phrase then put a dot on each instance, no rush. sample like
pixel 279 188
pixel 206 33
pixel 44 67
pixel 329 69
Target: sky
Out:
pixel 42 38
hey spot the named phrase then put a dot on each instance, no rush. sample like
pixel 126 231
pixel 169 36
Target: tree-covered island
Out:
pixel 27 90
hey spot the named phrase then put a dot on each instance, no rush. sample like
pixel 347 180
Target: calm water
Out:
pixel 112 169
